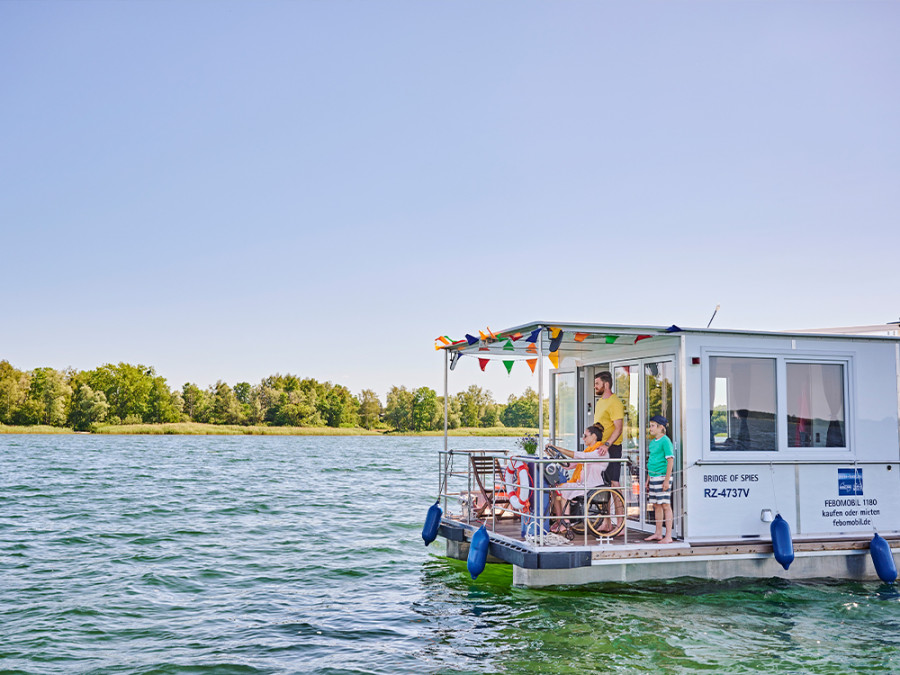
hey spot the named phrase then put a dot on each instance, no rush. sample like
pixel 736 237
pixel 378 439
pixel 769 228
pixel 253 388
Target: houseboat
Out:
pixel 799 427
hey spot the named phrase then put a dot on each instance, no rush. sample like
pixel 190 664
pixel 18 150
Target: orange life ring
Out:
pixel 518 485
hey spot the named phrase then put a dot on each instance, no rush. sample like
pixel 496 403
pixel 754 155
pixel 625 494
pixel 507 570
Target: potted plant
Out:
pixel 528 444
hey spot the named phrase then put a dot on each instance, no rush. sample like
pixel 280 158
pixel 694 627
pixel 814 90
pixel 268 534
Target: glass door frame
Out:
pixel 642 523
pixel 577 374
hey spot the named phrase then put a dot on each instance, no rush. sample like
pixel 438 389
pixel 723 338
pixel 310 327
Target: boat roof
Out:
pixel 521 341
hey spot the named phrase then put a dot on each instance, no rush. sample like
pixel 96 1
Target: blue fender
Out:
pixel 432 522
pixel 880 551
pixel 782 545
pixel 478 551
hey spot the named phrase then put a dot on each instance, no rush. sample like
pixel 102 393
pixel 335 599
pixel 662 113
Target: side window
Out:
pixel 742 404
pixel 815 405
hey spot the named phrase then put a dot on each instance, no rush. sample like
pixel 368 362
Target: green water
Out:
pixel 303 555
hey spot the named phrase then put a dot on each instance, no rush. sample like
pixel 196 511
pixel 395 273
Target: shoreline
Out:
pixel 197 429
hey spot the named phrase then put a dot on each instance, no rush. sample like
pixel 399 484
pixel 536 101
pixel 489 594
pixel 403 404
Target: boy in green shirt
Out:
pixel 660 461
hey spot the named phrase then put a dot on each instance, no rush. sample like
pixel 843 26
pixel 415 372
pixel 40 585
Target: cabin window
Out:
pixel 742 404
pixel 815 405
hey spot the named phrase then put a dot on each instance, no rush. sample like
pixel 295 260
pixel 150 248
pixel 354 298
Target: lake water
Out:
pixel 174 554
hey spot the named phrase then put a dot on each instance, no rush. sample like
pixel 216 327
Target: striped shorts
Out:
pixel 656 495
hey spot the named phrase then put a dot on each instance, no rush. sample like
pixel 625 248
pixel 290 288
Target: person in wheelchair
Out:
pixel 584 477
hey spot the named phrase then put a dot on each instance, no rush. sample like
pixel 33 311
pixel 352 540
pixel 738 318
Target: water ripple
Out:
pixel 166 554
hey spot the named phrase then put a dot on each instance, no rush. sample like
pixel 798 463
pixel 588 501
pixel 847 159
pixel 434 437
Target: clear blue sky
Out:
pixel 225 190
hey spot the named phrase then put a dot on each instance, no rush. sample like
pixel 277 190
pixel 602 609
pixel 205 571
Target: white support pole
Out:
pixel 446 397
pixel 540 469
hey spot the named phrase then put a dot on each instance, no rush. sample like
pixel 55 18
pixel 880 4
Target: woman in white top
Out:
pixel 585 476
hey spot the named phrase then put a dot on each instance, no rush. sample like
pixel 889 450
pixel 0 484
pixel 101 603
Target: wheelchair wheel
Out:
pixel 599 508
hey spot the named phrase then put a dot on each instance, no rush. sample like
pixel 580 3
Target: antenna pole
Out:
pixel 716 311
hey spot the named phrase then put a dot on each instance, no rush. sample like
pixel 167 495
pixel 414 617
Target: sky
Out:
pixel 228 190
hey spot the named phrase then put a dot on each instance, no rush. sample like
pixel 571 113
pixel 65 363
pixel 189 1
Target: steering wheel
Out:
pixel 553 453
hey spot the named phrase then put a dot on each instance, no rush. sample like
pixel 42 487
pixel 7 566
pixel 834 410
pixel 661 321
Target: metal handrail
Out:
pixel 466 497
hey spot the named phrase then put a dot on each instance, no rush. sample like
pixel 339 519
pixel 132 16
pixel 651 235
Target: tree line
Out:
pixel 135 394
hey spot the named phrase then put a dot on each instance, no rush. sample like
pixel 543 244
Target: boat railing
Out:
pixel 462 499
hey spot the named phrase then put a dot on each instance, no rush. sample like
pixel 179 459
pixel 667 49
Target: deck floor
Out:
pixel 512 529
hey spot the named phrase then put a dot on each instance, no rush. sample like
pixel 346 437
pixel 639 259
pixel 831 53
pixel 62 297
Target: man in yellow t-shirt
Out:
pixel 609 413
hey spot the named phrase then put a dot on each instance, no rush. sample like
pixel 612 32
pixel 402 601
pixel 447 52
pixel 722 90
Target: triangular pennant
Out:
pixel 531 349
pixel 483 336
pixel 579 337
pixel 531 364
pixel 554 359
pixel 483 363
pixel 611 338
pixel 443 339
pixel 454 359
pixel 509 365
pixel 641 337
pixel 554 332
pixel 491 333
pixel 471 339
pixel 484 349
pixel 509 347
pixel 534 335
pixel 673 329
pixel 516 336
pixel 556 341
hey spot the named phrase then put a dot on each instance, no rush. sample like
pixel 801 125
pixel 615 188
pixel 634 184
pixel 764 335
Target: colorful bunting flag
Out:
pixel 579 337
pixel 554 359
pixel 531 349
pixel 509 347
pixel 483 363
pixel 491 333
pixel 554 332
pixel 534 335
pixel 531 364
pixel 483 336
pixel 509 365
pixel 471 339
pixel 641 337
pixel 556 341
pixel 516 336
pixel 673 329
pixel 611 338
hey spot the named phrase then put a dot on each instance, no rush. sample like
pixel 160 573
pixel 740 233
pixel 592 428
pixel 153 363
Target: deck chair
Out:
pixel 488 474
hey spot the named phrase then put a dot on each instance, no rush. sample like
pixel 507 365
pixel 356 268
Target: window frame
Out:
pixel 782 452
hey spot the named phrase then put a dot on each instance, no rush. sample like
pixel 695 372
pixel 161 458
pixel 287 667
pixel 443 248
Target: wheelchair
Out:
pixel 601 502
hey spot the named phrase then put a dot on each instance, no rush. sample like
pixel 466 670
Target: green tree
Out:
pixel 226 409
pixel 370 409
pixel 339 407
pixel 88 407
pixel 425 410
pixel 197 404
pixel 398 410
pixel 521 411
pixel 474 403
pixel 162 406
pixel 47 399
pixel 454 415
pixel 127 388
pixel 13 389
pixel 491 415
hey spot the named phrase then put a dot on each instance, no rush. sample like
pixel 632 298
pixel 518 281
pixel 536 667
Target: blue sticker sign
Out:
pixel 850 481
